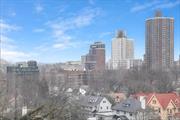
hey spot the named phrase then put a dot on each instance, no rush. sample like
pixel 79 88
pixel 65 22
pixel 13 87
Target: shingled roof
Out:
pixel 129 105
pixel 164 98
pixel 90 100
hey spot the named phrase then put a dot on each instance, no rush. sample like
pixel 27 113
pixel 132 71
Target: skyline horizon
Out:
pixel 35 33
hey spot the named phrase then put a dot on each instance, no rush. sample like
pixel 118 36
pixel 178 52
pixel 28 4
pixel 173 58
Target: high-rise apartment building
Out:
pixel 95 59
pixel 122 51
pixel 159 42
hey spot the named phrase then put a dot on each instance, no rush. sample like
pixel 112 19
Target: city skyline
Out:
pixel 60 31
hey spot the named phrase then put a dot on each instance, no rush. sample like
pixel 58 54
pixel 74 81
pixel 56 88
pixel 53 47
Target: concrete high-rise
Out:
pixel 159 42
pixel 122 51
pixel 95 59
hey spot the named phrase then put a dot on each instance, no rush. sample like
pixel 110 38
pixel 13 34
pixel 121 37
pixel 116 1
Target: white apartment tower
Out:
pixel 122 51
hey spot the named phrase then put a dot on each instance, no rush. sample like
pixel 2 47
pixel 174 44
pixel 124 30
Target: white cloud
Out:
pixel 5 39
pixel 9 49
pixel 43 47
pixel 13 13
pixel 38 30
pixel 14 56
pixel 61 26
pixel 78 20
pixel 7 43
pixel 167 5
pixel 155 4
pixel 67 44
pixel 104 34
pixel 7 27
pixel 141 7
pixel 60 45
pixel 39 8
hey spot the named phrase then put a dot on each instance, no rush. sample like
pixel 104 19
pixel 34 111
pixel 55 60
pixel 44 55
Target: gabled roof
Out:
pixel 163 98
pixel 129 105
pixel 90 100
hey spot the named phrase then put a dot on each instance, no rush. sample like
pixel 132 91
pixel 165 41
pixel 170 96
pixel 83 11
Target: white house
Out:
pixel 96 106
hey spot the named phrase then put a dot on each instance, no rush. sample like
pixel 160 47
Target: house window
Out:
pixel 170 111
pixel 104 101
pixel 159 109
pixel 174 109
pixel 101 107
pixel 107 107
pixel 154 101
pixel 130 114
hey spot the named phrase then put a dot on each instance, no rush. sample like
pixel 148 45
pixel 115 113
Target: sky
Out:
pixel 52 31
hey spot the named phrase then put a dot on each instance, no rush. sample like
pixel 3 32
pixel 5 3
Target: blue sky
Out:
pixel 61 30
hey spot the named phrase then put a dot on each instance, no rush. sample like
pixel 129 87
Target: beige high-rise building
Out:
pixel 129 49
pixel 122 51
pixel 159 42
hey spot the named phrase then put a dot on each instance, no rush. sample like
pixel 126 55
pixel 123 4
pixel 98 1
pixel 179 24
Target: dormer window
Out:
pixel 126 104
pixel 92 99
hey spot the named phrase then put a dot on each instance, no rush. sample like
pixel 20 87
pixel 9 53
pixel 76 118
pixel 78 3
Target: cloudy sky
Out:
pixel 61 30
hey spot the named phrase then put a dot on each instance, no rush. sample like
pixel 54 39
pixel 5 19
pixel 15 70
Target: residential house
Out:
pixel 96 106
pixel 167 105
pixel 131 108
pixel 118 97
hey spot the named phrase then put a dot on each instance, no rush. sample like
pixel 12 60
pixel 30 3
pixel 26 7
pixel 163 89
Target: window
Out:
pixel 154 101
pixel 174 109
pixel 130 114
pixel 101 107
pixel 107 107
pixel 170 111
pixel 159 109
pixel 104 101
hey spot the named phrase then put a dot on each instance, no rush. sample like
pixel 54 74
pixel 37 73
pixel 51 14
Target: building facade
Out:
pixel 95 59
pixel 122 51
pixel 159 42
pixel 22 85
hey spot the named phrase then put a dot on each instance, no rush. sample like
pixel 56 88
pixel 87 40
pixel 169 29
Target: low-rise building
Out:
pixel 131 108
pixel 167 105
pixel 118 97
pixel 96 106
